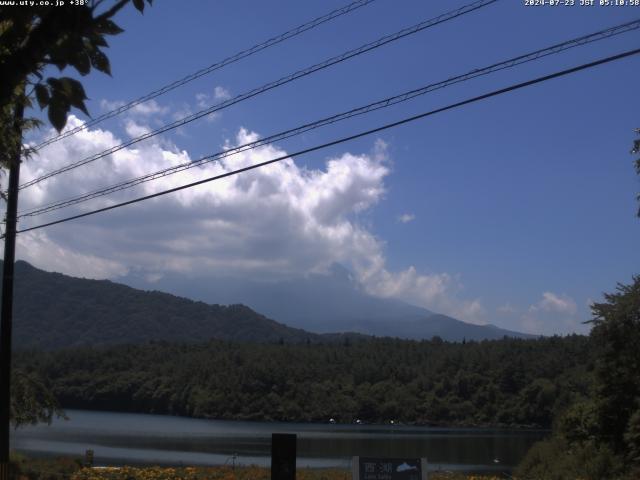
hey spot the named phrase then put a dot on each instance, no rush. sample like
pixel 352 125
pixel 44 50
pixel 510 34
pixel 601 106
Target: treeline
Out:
pixel 505 382
pixel 598 436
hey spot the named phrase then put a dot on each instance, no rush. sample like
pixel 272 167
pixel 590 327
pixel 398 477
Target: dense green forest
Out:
pixel 499 382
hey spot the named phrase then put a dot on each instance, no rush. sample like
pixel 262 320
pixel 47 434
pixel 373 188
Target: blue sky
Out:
pixel 523 205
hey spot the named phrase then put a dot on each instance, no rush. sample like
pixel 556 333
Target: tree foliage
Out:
pixel 33 38
pixel 31 400
pixel 100 312
pixel 602 429
pixel 559 459
pixel 632 442
pixel 616 332
pixel 378 380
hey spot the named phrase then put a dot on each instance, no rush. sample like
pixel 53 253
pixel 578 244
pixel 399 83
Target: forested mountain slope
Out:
pixel 52 310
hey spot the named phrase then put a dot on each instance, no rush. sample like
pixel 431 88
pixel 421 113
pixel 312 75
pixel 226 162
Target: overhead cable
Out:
pixel 271 85
pixel 387 102
pixel 344 139
pixel 211 68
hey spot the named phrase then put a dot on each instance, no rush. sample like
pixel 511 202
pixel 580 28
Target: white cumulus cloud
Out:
pixel 552 302
pixel 277 220
pixel 135 129
pixel 553 313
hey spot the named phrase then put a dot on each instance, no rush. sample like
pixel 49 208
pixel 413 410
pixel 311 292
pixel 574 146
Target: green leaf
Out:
pixel 59 63
pixel 98 40
pixel 42 95
pixel 139 4
pixel 100 61
pixel 109 27
pixel 79 104
pixel 72 87
pixel 63 52
pixel 57 113
pixel 82 63
pixel 65 93
pixel 55 83
pixel 74 93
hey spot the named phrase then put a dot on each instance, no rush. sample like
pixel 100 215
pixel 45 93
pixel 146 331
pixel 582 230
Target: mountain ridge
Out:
pixel 87 312
pixel 330 302
pixel 53 310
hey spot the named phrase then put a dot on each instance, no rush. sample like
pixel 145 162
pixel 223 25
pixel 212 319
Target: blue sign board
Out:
pixel 369 468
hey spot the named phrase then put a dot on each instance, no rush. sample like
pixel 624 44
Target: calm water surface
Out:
pixel 124 438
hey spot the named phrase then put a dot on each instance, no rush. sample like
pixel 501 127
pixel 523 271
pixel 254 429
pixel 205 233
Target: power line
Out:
pixel 282 81
pixel 211 68
pixel 289 78
pixel 346 139
pixel 519 60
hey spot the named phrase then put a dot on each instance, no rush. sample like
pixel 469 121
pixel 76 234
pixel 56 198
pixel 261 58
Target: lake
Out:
pixel 125 438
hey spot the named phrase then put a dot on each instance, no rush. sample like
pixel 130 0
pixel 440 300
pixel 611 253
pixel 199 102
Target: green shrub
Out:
pixel 24 468
pixel 556 459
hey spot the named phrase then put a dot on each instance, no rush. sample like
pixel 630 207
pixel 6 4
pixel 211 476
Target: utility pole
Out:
pixel 7 290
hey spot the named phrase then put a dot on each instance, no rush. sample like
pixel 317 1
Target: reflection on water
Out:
pixel 118 438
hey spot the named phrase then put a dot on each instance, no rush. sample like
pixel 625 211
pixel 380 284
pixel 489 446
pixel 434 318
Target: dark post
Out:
pixel 283 456
pixel 7 295
pixel 88 458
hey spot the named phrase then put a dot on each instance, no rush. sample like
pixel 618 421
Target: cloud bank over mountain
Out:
pixel 282 220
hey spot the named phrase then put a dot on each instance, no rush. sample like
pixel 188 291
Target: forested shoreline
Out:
pixel 587 389
pixel 507 382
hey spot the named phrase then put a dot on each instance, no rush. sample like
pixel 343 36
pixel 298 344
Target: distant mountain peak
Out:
pixel 330 302
pixel 339 272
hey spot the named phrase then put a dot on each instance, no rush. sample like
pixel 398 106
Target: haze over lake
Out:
pixel 166 440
